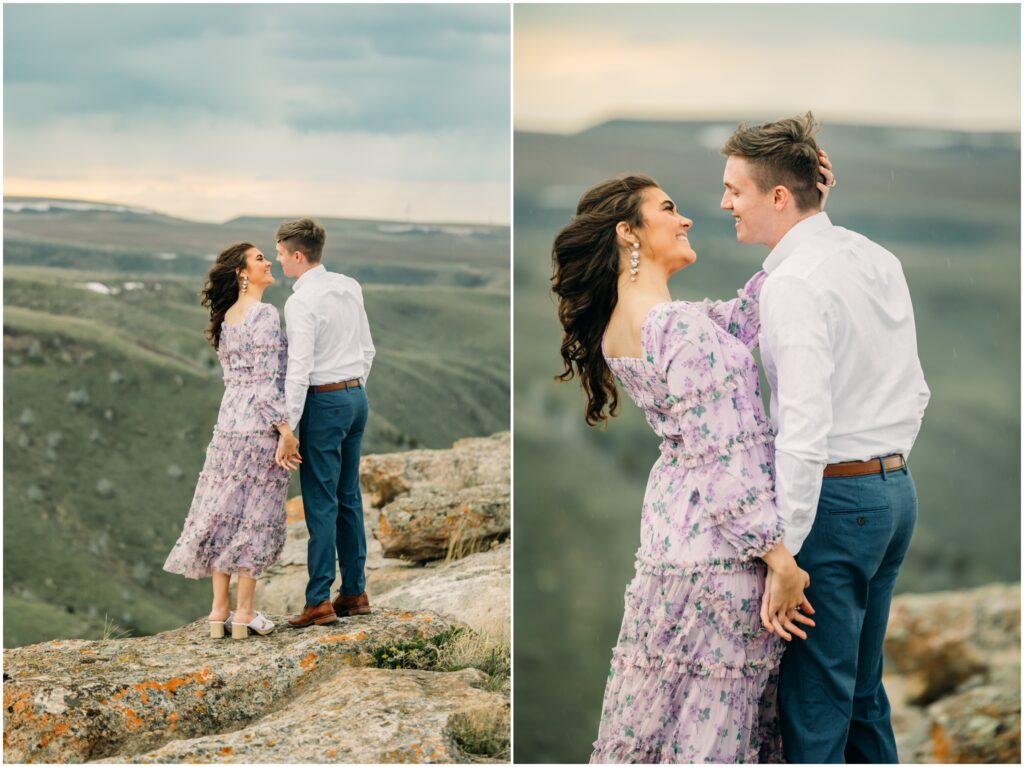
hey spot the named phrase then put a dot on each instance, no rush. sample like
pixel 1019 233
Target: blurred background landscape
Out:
pixel 139 141
pixel 111 390
pixel 947 204
pixel 925 181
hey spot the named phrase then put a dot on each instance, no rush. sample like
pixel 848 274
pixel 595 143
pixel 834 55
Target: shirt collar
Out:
pixel 309 276
pixel 799 232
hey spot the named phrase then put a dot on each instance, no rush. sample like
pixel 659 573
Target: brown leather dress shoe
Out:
pixel 344 605
pixel 318 614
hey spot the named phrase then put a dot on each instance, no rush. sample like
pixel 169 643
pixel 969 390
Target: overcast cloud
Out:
pixel 212 111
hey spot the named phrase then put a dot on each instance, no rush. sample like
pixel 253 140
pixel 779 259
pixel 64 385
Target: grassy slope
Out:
pixel 153 391
pixel 953 219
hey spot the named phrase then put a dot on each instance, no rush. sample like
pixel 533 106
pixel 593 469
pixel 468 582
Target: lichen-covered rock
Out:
pixel 941 640
pixel 357 715
pixel 979 725
pixel 432 524
pixel 470 462
pixel 954 675
pixel 77 700
pixel 474 590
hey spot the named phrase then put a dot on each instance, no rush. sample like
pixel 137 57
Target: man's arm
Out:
pixel 796 327
pixel 301 328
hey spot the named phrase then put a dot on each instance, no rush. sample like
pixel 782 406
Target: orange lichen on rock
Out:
pixel 294 511
pixel 55 732
pixel 309 662
pixel 172 685
pixel 426 618
pixel 405 616
pixel 266 683
pixel 132 720
pixel 331 752
pixel 226 751
pixel 941 747
pixel 17 698
pixel 332 638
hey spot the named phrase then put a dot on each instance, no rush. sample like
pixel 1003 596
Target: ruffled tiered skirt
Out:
pixel 693 675
pixel 237 519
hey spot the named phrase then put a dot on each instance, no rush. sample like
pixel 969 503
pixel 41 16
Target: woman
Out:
pixel 693 674
pixel 237 520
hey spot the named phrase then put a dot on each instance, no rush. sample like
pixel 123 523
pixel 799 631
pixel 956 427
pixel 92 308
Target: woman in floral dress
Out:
pixel 694 671
pixel 237 520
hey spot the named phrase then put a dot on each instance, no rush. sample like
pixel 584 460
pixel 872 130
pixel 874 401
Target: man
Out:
pixel 329 358
pixel 839 349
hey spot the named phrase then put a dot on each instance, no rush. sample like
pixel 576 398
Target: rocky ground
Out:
pixel 953 675
pixel 423 678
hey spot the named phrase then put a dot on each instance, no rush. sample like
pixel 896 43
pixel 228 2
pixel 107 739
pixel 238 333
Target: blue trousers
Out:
pixel 833 708
pixel 331 433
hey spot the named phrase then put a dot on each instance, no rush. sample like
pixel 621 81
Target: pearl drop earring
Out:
pixel 634 262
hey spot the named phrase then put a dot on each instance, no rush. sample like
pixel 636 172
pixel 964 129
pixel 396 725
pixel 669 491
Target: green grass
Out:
pixel 97 485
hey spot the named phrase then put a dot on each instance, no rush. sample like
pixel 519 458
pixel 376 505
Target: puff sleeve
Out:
pixel 712 431
pixel 269 365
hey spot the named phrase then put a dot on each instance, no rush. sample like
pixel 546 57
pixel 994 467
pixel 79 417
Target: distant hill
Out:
pixel 64 233
pixel 111 392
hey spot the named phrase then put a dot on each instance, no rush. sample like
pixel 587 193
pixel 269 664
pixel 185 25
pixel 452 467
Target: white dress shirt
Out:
pixel 328 335
pixel 839 349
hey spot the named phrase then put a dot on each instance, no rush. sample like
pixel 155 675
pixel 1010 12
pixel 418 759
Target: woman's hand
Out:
pixel 825 170
pixel 287 455
pixel 784 604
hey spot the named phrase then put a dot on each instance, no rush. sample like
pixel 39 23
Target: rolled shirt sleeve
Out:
pixel 301 336
pixel 798 331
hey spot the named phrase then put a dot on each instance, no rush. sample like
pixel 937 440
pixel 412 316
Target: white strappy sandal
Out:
pixel 260 624
pixel 217 628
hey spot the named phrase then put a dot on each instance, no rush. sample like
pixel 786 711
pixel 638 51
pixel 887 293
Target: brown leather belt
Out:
pixel 893 462
pixel 352 383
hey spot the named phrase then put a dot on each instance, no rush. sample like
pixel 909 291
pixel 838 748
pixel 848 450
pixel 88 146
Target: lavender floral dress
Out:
pixel 693 676
pixel 237 519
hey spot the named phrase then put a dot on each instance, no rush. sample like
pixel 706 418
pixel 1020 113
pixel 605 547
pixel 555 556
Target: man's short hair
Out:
pixel 304 235
pixel 782 153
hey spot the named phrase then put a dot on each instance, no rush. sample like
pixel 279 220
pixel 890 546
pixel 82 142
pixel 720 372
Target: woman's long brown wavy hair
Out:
pixel 221 289
pixel 585 258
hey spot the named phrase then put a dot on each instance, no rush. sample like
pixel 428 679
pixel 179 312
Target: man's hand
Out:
pixel 287 455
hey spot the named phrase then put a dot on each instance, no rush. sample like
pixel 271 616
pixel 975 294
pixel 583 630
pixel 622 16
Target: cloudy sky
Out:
pixel 950 66
pixel 215 111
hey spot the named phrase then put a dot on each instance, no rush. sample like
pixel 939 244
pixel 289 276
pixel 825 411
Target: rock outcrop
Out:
pixel 440 503
pixel 292 696
pixel 953 675
pixel 397 685
pixel 472 586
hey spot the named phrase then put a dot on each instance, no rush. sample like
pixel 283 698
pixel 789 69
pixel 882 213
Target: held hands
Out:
pixel 784 604
pixel 287 455
pixel 825 170
pixel 781 590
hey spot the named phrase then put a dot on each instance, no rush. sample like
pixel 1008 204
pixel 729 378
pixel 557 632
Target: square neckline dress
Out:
pixel 693 675
pixel 236 523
